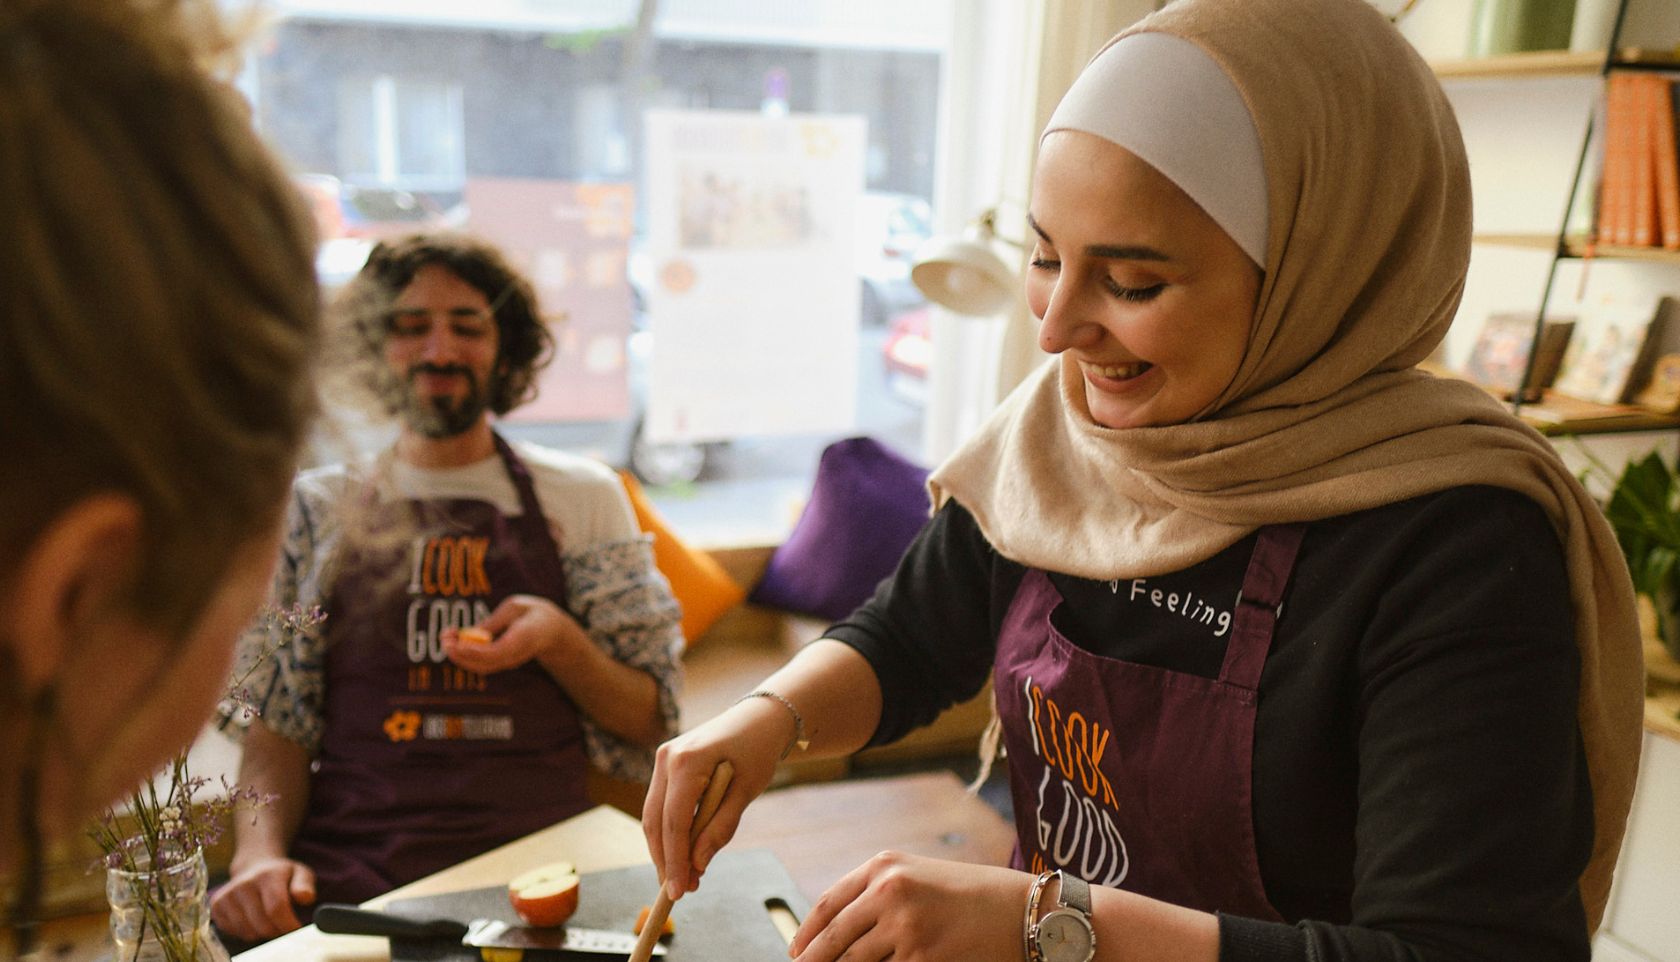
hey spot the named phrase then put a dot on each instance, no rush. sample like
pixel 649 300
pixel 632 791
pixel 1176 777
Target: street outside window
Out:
pixel 717 203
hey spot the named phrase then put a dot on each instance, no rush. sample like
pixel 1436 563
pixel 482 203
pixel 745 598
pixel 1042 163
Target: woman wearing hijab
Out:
pixel 1298 652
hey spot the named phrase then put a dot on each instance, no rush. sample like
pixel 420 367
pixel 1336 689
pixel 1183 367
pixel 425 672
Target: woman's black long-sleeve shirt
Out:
pixel 1420 790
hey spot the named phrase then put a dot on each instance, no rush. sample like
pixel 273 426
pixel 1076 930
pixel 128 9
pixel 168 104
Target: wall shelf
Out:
pixel 1576 247
pixel 1558 415
pixel 1556 63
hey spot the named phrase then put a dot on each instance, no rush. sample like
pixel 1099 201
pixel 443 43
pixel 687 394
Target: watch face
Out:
pixel 1065 936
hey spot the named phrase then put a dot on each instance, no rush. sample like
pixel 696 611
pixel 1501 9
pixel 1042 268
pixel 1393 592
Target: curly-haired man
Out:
pixel 395 742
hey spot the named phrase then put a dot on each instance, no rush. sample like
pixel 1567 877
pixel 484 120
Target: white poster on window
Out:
pixel 750 282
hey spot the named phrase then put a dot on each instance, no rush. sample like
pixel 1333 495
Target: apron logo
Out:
pixel 427 617
pixel 406 726
pixel 448 584
pixel 1076 802
pixel 449 566
pixel 473 727
pixel 1070 745
pixel 402 726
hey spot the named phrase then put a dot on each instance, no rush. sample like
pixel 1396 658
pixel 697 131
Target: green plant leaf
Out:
pixel 1644 511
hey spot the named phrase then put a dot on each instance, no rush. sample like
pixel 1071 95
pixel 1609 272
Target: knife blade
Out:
pixel 494 933
pixel 478 933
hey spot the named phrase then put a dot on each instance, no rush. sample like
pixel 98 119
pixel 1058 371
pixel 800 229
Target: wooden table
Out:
pixel 601 838
pixel 821 831
pixel 818 831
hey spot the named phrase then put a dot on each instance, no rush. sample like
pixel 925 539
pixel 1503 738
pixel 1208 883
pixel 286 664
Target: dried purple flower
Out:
pixel 158 829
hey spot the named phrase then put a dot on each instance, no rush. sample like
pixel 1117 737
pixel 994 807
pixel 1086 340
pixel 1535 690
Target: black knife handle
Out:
pixel 349 920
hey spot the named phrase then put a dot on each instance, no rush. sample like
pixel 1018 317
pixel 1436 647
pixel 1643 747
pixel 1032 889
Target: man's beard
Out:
pixel 439 416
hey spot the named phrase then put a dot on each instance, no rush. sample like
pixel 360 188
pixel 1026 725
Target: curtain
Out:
pixel 1009 65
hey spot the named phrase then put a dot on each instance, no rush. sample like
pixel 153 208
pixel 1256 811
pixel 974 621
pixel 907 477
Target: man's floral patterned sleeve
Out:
pixel 627 607
pixel 277 672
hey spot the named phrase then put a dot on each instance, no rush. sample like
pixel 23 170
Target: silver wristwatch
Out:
pixel 1065 933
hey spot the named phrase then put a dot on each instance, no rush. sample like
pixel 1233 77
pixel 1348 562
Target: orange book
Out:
pixel 1643 120
pixel 1667 158
pixel 1615 213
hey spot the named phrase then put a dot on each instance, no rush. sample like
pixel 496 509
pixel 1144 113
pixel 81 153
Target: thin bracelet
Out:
pixel 1033 896
pixel 799 740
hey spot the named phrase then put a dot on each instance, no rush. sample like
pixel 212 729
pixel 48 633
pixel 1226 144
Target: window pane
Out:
pixel 428 134
pixel 527 122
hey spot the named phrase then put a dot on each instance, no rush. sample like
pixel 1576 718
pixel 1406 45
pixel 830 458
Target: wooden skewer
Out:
pixel 702 815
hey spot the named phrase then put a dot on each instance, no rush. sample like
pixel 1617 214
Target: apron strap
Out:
pixel 1260 604
pixel 520 475
pixel 531 519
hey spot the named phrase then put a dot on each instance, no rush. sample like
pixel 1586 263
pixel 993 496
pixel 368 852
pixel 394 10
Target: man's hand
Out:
pixel 521 628
pixel 256 903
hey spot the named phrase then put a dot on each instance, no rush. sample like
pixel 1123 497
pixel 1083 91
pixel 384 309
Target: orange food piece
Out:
pixel 669 928
pixel 473 636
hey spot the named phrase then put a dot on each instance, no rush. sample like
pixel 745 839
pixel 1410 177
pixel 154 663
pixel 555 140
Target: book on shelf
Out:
pixel 1666 158
pixel 1615 204
pixel 1643 159
pixel 1611 352
pixel 1664 343
pixel 1662 393
pixel 1500 355
pixel 1638 197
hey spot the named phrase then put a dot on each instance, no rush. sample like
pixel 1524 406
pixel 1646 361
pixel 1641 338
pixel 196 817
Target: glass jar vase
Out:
pixel 162 914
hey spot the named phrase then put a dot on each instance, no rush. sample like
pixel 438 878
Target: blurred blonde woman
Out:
pixel 158 319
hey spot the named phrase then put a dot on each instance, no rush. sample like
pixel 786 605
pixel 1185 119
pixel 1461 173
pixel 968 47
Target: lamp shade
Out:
pixel 964 273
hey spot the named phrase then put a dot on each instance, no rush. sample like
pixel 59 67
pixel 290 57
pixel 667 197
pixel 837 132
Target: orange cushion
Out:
pixel 700 584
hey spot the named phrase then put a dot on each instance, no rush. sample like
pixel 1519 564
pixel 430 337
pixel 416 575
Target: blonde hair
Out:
pixel 159 312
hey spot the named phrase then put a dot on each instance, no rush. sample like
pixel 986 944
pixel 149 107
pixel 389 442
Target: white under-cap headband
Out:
pixel 1164 99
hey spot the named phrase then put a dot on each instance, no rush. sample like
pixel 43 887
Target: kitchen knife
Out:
pixel 479 933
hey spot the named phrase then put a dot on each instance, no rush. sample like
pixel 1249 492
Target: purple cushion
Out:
pixel 866 506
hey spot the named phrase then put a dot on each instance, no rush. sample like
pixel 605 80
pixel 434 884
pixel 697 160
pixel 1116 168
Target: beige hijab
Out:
pixel 1369 207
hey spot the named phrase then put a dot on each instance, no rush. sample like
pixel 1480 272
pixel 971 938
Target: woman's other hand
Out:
pixel 909 907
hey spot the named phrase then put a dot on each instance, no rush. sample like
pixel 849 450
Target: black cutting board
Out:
pixel 725 919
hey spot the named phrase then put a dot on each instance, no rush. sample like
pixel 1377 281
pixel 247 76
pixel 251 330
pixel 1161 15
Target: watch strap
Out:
pixel 1075 893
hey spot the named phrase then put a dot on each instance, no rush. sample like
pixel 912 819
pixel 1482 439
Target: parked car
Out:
pixel 906 354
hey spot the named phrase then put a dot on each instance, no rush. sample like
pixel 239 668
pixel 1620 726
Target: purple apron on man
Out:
pixel 1133 776
pixel 423 764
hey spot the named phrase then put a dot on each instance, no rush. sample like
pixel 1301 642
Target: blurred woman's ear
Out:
pixel 67 582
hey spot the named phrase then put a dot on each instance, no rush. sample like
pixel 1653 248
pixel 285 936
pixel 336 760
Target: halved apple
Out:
pixel 547 895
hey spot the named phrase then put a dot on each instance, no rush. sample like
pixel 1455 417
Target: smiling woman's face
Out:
pixel 1135 284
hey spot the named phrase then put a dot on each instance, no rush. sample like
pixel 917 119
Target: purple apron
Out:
pixel 423 764
pixel 1133 776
